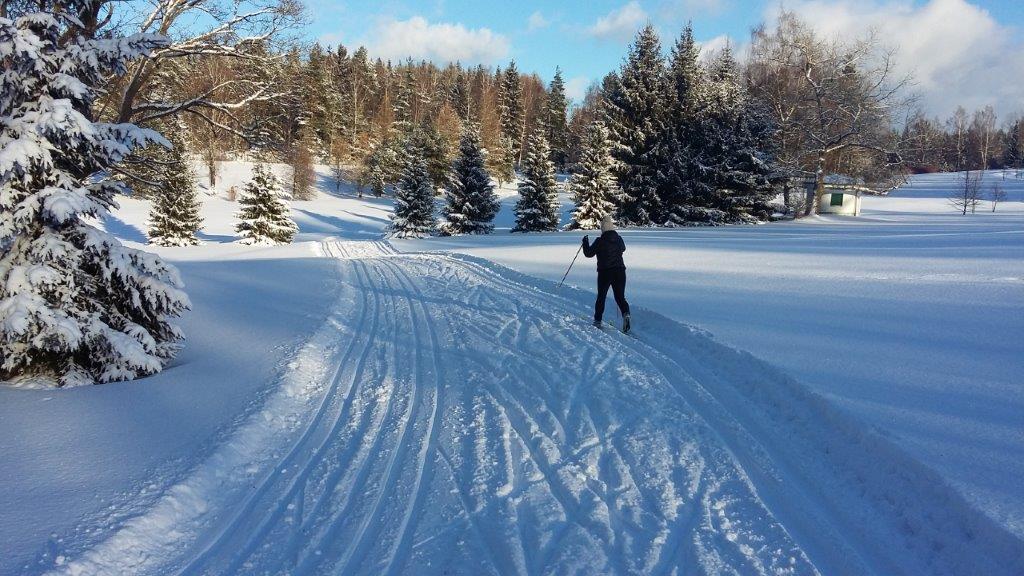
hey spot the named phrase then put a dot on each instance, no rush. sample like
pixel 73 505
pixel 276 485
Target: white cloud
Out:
pixel 956 51
pixel 440 42
pixel 537 21
pixel 711 48
pixel 576 88
pixel 619 24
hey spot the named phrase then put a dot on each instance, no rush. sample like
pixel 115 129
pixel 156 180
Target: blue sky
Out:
pixel 956 49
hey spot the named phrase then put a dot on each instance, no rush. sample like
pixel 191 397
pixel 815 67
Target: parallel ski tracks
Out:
pixel 476 424
pixel 356 484
pixel 319 429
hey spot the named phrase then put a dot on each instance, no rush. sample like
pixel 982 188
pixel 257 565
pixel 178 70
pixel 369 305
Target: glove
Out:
pixel 586 240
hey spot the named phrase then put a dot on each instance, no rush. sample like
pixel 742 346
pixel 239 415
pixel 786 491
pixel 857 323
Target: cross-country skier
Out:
pixel 611 270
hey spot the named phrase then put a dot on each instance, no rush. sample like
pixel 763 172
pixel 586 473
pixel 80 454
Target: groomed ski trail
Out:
pixel 456 418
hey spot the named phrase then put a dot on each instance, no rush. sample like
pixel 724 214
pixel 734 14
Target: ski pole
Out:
pixel 570 265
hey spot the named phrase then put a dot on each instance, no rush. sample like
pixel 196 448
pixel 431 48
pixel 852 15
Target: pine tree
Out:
pixel 510 106
pixel 556 120
pixel 293 100
pixel 681 177
pixel 1013 151
pixel 76 306
pixel 414 198
pixel 142 170
pixel 472 203
pixel 502 161
pixel 303 173
pixel 634 101
pixel 381 166
pixel 592 184
pixel 436 153
pixel 745 172
pixel 405 94
pixel 174 217
pixel 461 94
pixel 378 185
pixel 265 217
pixel 361 79
pixel 732 145
pixel 321 100
pixel 537 207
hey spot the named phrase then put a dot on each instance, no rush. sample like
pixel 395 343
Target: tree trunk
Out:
pixel 355 116
pixel 211 167
pixel 814 198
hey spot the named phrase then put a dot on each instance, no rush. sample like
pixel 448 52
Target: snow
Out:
pixel 339 405
pixel 910 317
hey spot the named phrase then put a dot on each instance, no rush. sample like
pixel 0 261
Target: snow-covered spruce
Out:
pixel 174 218
pixel 592 185
pixel 682 177
pixel 265 217
pixel 556 120
pixel 634 110
pixel 502 161
pixel 537 207
pixel 380 166
pixel 76 307
pixel 375 178
pixel 472 203
pixel 729 139
pixel 414 198
pixel 511 112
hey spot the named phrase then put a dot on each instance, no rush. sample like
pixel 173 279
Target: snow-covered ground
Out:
pixel 910 317
pixel 341 408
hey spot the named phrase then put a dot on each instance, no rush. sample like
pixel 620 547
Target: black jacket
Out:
pixel 608 248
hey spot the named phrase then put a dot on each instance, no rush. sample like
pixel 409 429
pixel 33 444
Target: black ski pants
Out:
pixel 614 278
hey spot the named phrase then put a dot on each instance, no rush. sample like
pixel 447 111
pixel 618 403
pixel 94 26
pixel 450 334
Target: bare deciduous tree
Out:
pixel 829 98
pixel 983 135
pixel 162 85
pixel 996 194
pixel 968 195
pixel 958 128
pixel 303 173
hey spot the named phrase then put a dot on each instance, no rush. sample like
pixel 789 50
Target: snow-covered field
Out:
pixel 342 408
pixel 911 316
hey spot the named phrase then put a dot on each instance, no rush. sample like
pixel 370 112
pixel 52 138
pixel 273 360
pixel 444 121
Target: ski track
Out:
pixel 470 422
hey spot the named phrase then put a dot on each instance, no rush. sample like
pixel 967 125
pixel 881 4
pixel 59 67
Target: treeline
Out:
pixel 668 141
pixel 693 138
pixel 963 142
pixel 353 112
pixel 690 145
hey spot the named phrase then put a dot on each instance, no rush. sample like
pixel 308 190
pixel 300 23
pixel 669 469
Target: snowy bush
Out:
pixel 76 307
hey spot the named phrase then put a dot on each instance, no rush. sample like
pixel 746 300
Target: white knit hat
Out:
pixel 607 223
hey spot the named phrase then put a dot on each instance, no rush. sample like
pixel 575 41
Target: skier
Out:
pixel 611 270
